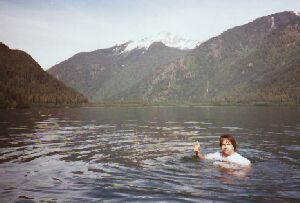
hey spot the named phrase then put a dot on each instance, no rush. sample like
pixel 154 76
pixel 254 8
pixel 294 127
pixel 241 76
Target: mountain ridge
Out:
pixel 99 74
pixel 254 62
pixel 215 67
pixel 166 38
pixel 24 83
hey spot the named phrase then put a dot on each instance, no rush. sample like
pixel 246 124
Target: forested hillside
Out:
pixel 24 83
pixel 254 63
pixel 102 74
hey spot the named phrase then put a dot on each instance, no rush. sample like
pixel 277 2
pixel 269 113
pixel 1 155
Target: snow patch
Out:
pixel 117 49
pixel 250 64
pixel 167 38
pixel 296 13
pixel 272 24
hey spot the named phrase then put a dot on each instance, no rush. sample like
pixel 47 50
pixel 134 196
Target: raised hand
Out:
pixel 197 147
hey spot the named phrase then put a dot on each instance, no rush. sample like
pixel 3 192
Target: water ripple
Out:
pixel 57 158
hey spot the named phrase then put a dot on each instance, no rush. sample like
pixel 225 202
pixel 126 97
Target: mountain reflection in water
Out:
pixel 145 154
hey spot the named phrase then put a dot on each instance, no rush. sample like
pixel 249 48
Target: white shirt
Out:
pixel 234 158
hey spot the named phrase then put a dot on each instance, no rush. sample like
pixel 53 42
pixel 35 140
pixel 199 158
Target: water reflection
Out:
pixel 139 154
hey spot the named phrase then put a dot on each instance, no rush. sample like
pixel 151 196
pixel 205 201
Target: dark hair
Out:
pixel 230 138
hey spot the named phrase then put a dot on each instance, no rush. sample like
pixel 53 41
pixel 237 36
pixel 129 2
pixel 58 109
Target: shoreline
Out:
pixel 137 104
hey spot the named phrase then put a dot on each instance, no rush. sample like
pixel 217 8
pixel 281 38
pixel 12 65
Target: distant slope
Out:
pixel 105 73
pixel 256 62
pixel 24 83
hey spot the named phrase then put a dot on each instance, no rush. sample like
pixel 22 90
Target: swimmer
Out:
pixel 227 152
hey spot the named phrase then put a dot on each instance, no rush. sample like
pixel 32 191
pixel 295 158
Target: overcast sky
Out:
pixel 54 30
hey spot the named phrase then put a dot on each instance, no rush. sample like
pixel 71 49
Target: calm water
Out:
pixel 145 154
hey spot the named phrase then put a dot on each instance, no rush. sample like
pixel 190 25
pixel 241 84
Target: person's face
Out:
pixel 227 148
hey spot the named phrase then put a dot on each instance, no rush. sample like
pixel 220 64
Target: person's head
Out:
pixel 227 144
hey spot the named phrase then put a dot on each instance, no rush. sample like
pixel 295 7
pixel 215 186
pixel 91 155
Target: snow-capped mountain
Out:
pixel 166 38
pixel 296 13
pixel 104 74
pixel 242 65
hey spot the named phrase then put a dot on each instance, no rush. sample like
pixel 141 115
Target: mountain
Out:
pixel 255 62
pixel 24 83
pixel 105 73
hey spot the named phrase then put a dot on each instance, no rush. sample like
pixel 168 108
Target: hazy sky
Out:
pixel 53 30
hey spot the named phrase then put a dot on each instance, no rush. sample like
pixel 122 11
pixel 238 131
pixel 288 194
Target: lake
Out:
pixel 146 154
